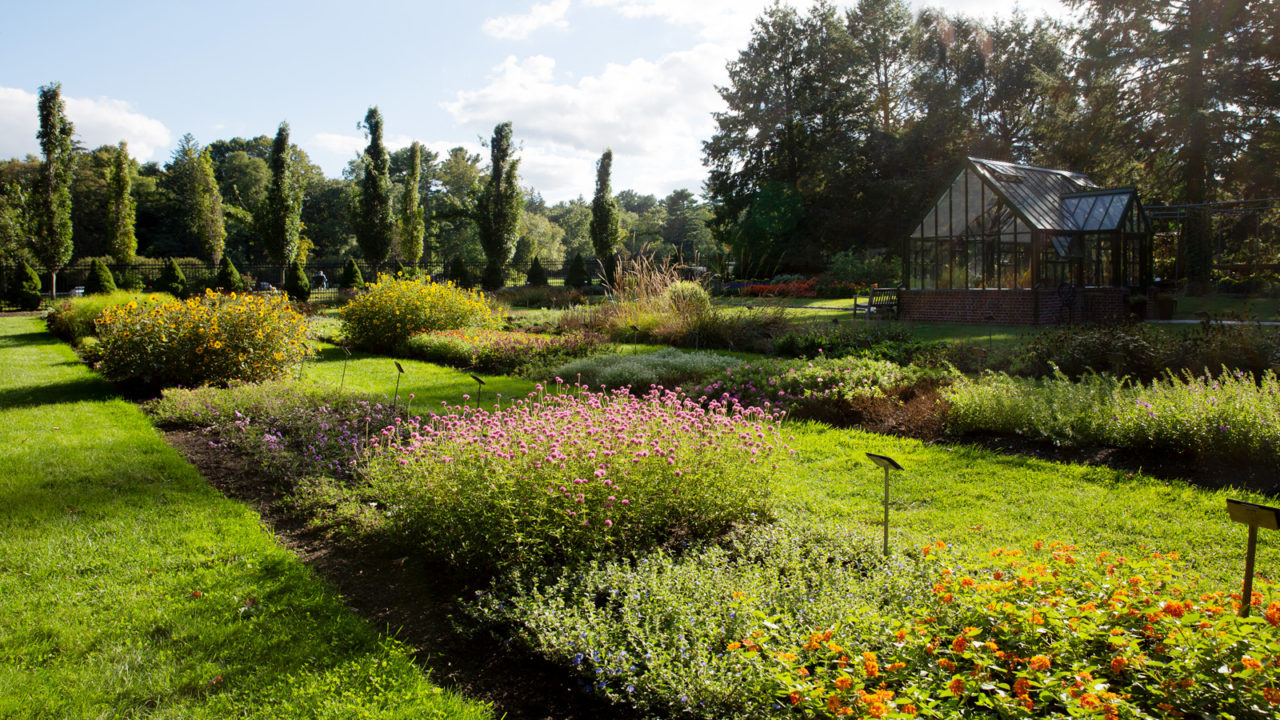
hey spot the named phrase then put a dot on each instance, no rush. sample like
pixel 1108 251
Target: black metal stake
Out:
pixel 395 401
pixel 345 360
pixel 479 387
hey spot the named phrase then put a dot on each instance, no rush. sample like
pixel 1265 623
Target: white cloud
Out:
pixel 98 121
pixel 519 27
pixel 653 114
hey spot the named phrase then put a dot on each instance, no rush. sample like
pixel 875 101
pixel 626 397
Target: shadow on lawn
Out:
pixel 81 389
pixel 31 338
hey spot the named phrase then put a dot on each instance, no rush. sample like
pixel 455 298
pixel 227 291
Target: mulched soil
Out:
pixel 415 602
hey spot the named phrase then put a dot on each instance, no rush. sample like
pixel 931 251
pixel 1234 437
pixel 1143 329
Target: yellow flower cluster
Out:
pixel 212 338
pixel 393 309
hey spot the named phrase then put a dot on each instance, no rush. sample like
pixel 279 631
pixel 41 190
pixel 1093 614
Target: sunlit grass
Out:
pixel 130 587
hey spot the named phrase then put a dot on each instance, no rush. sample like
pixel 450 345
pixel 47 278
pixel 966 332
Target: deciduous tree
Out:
pixel 282 223
pixel 498 208
pixel 412 226
pixel 122 243
pixel 51 198
pixel 375 227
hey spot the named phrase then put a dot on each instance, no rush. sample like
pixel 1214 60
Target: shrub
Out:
pixel 563 477
pixel 686 297
pixel 100 280
pixel 537 275
pixel 539 296
pixel 212 338
pixel 296 283
pixel 459 275
pixel 791 288
pixel 172 280
pixel 389 312
pixel 577 276
pixel 668 368
pixel 352 279
pixel 228 279
pixel 73 319
pixel 880 341
pixel 500 351
pixel 29 296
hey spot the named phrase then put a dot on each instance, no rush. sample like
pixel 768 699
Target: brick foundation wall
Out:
pixel 1013 307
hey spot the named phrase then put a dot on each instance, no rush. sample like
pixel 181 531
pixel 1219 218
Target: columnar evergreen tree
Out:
pixel 412 226
pixel 282 223
pixel 604 218
pixel 498 208
pixel 51 219
pixel 375 228
pixel 121 209
pixel 209 225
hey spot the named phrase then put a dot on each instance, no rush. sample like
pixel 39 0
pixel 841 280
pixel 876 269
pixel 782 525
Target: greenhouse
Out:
pixel 1020 244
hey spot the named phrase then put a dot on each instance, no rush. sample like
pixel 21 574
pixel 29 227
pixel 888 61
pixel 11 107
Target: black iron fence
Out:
pixel 146 273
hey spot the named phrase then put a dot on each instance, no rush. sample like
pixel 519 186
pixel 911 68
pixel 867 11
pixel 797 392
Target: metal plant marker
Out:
pixel 1255 516
pixel 888 464
pixel 395 401
pixel 345 360
pixel 479 387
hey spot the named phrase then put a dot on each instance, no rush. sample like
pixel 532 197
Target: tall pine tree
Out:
pixel 282 225
pixel 604 218
pixel 52 197
pixel 190 178
pixel 412 227
pixel 498 208
pixel 121 208
pixel 375 228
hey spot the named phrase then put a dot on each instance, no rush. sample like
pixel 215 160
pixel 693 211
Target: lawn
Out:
pixel 132 588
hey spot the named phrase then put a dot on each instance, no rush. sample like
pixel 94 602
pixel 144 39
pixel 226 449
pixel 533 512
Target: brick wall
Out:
pixel 1013 307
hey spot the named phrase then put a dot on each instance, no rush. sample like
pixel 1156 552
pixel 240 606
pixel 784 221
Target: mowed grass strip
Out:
pixel 130 588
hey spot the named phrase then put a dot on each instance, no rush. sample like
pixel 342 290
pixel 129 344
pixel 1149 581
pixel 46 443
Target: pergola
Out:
pixel 1004 226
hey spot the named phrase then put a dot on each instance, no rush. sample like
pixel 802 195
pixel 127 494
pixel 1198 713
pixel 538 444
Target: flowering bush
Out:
pixel 564 477
pixel 501 351
pixel 805 288
pixel 1230 416
pixel 73 319
pixel 211 338
pixel 1037 634
pixel 390 311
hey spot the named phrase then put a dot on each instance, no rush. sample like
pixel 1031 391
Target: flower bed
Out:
pixel 557 478
pixel 390 311
pixel 502 351
pixel 211 338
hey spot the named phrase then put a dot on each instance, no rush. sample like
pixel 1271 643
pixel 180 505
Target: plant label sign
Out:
pixel 1255 516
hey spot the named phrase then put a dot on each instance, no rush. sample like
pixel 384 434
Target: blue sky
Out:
pixel 573 76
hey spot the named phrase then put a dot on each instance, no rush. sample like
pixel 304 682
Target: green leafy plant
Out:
pixel 296 282
pixel 668 368
pixel 577 275
pixel 352 279
pixel 100 280
pixel 537 275
pixel 228 278
pixel 501 351
pixel 392 310
pixel 29 296
pixel 173 281
pixel 73 319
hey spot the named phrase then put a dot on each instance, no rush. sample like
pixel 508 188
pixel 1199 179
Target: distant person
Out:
pixel 322 282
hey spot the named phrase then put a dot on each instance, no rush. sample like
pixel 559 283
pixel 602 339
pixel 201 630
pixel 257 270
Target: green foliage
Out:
pixel 459 275
pixel 412 226
pixel 604 218
pixel 51 198
pixel 296 282
pixel 1229 417
pixel 500 351
pixel 443 488
pixel 29 296
pixel 537 275
pixel 686 297
pixel 667 368
pixel 100 280
pixel 172 280
pixel 282 224
pixel 374 225
pixel 577 276
pixel 191 178
pixel 122 209
pixel 352 279
pixel 498 208
pixel 213 338
pixel 228 278
pixel 879 341
pixel 390 311
pixel 861 269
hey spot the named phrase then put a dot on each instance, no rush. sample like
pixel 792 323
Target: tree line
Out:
pixel 262 201
pixel 843 126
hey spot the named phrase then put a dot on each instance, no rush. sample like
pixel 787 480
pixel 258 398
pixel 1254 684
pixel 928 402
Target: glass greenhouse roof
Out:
pixel 1036 193
pixel 1096 211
